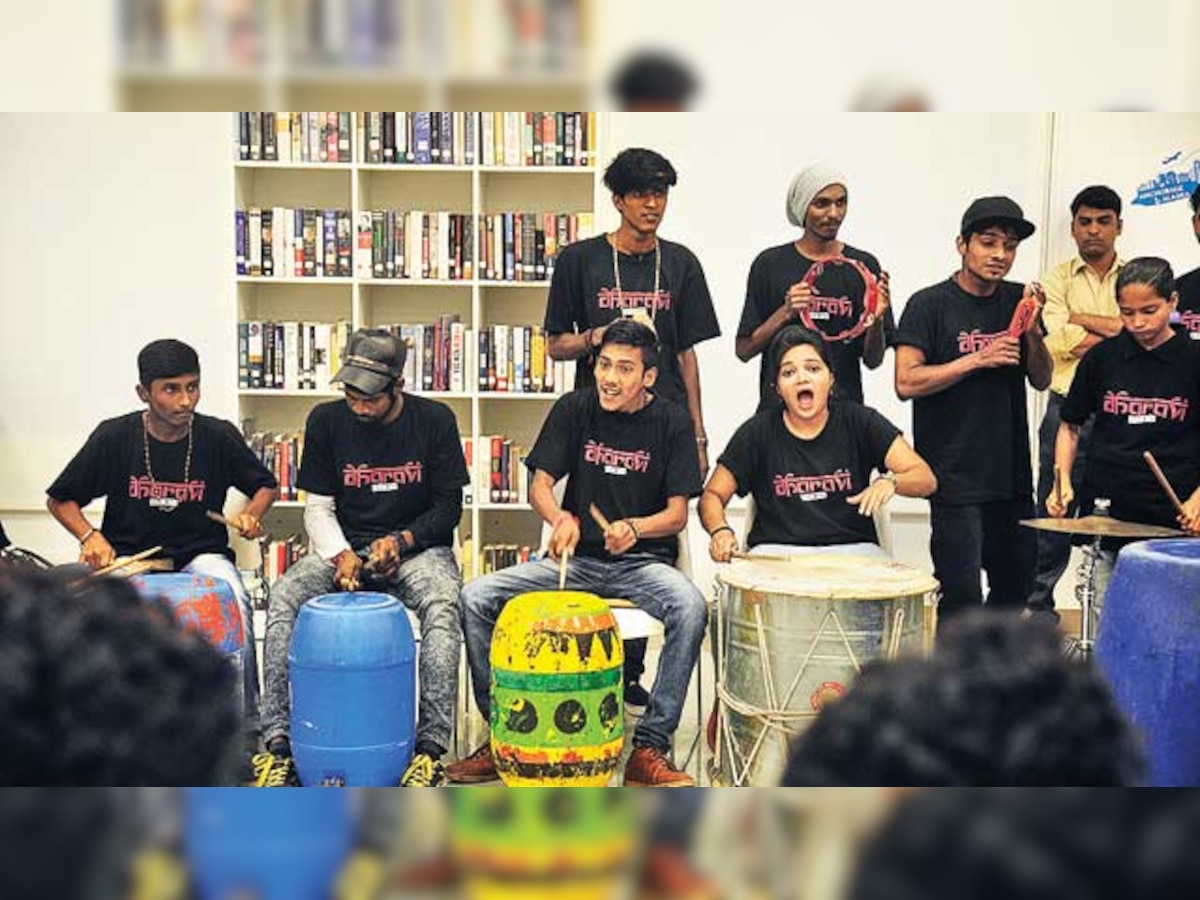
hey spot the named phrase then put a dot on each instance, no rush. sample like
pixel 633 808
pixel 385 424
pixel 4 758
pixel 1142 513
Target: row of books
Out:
pixel 280 555
pixel 414 245
pixel 294 137
pixel 497 469
pixel 286 242
pixel 513 139
pixel 524 246
pixel 290 356
pixel 281 455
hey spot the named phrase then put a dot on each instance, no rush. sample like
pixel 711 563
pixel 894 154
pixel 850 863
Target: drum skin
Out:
pixel 352 670
pixel 792 636
pixel 1149 650
pixel 557 710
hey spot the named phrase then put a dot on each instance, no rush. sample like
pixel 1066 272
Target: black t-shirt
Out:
pixel 407 475
pixel 1188 287
pixel 583 295
pixel 800 486
pixel 628 464
pixel 839 307
pixel 975 434
pixel 169 509
pixel 1142 400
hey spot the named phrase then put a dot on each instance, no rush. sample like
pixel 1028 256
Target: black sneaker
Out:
pixel 637 698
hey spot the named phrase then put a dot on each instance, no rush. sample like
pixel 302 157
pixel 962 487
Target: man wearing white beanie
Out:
pixel 776 294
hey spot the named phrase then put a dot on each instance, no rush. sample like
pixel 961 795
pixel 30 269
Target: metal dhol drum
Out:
pixel 791 635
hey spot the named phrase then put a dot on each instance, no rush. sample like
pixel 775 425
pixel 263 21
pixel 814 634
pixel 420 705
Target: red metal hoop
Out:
pixel 870 297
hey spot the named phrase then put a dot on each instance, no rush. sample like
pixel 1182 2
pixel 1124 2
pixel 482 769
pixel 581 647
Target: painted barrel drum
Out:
pixel 548 842
pixel 557 710
pixel 791 635
pixel 205 605
pixel 1149 650
pixel 352 668
pixel 271 845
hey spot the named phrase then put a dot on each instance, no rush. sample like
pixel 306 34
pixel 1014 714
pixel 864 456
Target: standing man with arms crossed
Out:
pixel 965 372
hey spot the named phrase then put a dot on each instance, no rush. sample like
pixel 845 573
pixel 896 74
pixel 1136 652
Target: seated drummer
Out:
pixel 161 471
pixel 384 472
pixel 633 455
pixel 808 465
pixel 1143 389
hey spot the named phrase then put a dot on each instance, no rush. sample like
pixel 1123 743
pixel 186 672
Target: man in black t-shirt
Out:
pixel 631 272
pixel 1141 389
pixel 776 295
pixel 966 373
pixel 632 454
pixel 384 472
pixel 161 471
pixel 1188 285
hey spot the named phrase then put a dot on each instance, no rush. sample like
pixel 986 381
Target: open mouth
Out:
pixel 806 399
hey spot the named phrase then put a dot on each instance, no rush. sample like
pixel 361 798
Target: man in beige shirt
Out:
pixel 1080 312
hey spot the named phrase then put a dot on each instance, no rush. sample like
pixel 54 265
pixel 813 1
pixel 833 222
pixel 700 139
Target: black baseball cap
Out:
pixel 996 211
pixel 374 359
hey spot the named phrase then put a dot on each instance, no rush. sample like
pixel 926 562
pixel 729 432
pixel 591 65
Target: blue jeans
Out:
pixel 654 586
pixel 982 537
pixel 216 565
pixel 428 584
pixel 1054 550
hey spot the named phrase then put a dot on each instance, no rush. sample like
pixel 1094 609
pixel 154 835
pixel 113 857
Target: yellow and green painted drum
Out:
pixel 543 843
pixel 557 714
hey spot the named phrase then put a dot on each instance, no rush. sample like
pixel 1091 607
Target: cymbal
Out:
pixel 1102 526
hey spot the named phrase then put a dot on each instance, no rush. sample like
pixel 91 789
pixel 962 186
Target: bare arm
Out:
pixel 914 478
pixel 689 371
pixel 755 343
pixel 96 551
pixel 722 541
pixel 1040 366
pixel 1104 326
pixel 874 341
pixel 1066 445
pixel 916 378
pixel 565 534
pixel 574 346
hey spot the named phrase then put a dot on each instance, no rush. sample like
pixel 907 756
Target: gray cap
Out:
pixel 374 359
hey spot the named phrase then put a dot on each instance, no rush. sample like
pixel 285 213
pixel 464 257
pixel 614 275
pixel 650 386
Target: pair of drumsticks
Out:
pixel 1159 474
pixel 599 519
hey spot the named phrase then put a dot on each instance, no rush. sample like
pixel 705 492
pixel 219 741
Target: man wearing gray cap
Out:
pixel 963 356
pixel 778 294
pixel 384 472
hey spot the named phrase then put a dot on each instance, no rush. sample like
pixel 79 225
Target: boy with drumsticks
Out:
pixel 853 316
pixel 162 470
pixel 1141 389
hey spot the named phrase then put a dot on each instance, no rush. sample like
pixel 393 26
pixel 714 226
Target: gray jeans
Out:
pixel 428 584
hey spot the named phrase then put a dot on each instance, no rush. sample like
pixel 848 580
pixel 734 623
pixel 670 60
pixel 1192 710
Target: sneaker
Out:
pixel 423 771
pixel 637 698
pixel 475 769
pixel 648 767
pixel 273 770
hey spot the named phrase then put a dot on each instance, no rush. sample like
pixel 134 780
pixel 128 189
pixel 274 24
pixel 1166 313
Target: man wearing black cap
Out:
pixel 1188 285
pixel 384 472
pixel 966 373
pixel 161 471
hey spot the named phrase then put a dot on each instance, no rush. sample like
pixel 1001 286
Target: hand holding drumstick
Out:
pixel 1061 497
pixel 1187 514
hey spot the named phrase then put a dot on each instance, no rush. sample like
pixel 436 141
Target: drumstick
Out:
pixel 598 517
pixel 1057 486
pixel 122 561
pixel 218 518
pixel 761 557
pixel 1162 480
pixel 562 569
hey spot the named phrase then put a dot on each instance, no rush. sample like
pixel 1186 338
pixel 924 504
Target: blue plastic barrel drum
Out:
pixel 1149 650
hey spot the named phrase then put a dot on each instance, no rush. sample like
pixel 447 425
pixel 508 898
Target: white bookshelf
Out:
pixel 367 302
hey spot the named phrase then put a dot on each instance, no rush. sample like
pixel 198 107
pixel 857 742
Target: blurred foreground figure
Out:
pixel 99 687
pixel 653 81
pixel 996 704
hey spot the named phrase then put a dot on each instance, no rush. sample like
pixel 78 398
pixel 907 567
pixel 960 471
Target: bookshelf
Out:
pixel 476 190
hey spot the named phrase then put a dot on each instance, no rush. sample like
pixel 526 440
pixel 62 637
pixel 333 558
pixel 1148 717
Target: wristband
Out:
pixel 890 476
pixel 702 442
pixel 637 534
pixel 87 534
pixel 719 529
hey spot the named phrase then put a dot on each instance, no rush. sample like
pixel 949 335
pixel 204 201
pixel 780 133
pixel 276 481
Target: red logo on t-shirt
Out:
pixel 813 487
pixel 614 461
pixel 974 340
pixel 381 479
pixel 611 298
pixel 145 487
pixel 1191 321
pixel 1145 409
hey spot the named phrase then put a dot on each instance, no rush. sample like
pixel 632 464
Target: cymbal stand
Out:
pixel 1085 593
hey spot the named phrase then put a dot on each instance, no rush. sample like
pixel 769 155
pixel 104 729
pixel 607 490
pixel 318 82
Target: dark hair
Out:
pixel 794 336
pixel 1151 271
pixel 983 225
pixel 1195 201
pixel 638 169
pixel 628 333
pixel 1097 196
pixel 103 688
pixel 996 704
pixel 990 844
pixel 166 358
pixel 654 77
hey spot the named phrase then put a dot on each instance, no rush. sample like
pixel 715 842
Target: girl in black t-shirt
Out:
pixel 808 466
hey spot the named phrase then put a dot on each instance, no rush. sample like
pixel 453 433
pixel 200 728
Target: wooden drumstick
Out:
pixel 218 518
pixel 762 557
pixel 562 569
pixel 598 517
pixel 123 561
pixel 1162 480
pixel 1057 486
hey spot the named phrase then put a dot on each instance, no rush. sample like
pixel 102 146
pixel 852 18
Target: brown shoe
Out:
pixel 710 727
pixel 648 767
pixel 669 875
pixel 475 769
